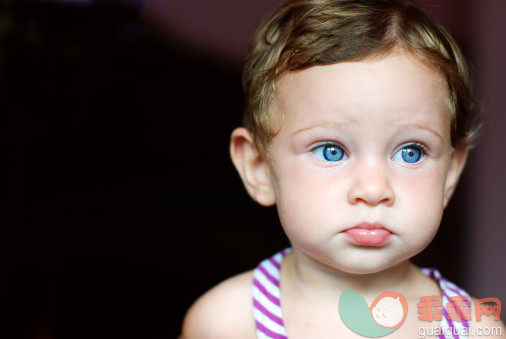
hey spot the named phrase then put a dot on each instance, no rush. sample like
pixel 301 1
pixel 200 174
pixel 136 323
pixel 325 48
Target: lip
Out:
pixel 368 234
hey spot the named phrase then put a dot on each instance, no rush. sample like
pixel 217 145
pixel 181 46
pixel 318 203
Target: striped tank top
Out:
pixel 267 300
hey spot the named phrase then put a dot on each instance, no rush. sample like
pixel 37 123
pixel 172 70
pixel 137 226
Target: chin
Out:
pixel 365 270
pixel 370 266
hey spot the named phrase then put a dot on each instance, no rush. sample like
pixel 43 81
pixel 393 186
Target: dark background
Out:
pixel 119 204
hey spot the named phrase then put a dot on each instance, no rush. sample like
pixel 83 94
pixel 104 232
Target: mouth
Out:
pixel 368 234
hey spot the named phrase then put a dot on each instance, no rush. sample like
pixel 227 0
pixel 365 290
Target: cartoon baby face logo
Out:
pixel 386 313
pixel 389 309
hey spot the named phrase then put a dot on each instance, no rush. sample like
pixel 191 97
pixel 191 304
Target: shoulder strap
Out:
pixel 448 290
pixel 267 298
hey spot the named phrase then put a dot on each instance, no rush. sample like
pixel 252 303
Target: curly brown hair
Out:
pixel 305 33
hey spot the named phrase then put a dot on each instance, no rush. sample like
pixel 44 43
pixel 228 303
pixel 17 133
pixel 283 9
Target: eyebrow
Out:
pixel 425 128
pixel 318 124
pixel 338 124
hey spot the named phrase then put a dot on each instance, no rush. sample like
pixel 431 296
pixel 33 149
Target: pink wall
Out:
pixel 479 27
pixel 487 234
pixel 218 27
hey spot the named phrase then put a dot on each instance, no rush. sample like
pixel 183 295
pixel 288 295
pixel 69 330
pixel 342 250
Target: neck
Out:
pixel 311 277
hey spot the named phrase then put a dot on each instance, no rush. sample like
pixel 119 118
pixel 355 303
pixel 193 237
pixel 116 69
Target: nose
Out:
pixel 370 184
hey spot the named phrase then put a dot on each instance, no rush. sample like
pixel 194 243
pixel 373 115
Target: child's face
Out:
pixel 362 166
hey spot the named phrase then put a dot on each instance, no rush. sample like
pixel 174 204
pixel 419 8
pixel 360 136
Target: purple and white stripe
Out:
pixel 448 290
pixel 266 298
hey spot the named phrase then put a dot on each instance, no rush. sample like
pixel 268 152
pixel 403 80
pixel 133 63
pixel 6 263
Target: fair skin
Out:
pixel 361 169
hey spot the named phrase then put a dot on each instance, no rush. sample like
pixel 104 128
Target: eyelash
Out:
pixel 424 149
pixel 325 143
pixel 411 153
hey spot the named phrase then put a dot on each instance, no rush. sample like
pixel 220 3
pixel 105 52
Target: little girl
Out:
pixel 357 127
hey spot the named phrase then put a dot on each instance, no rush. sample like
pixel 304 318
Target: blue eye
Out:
pixel 409 154
pixel 329 152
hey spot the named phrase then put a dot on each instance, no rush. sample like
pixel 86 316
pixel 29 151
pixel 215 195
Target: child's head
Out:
pixel 357 127
pixel 305 33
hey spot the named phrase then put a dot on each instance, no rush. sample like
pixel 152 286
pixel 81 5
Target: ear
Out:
pixel 252 167
pixel 458 160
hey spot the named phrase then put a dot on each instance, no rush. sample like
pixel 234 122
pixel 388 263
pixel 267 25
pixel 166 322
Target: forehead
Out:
pixel 394 87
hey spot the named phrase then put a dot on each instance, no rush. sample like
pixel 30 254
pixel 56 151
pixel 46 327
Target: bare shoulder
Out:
pixel 225 311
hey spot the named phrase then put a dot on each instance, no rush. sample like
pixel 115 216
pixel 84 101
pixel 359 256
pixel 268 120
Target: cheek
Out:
pixel 422 203
pixel 301 194
pixel 423 188
pixel 300 185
